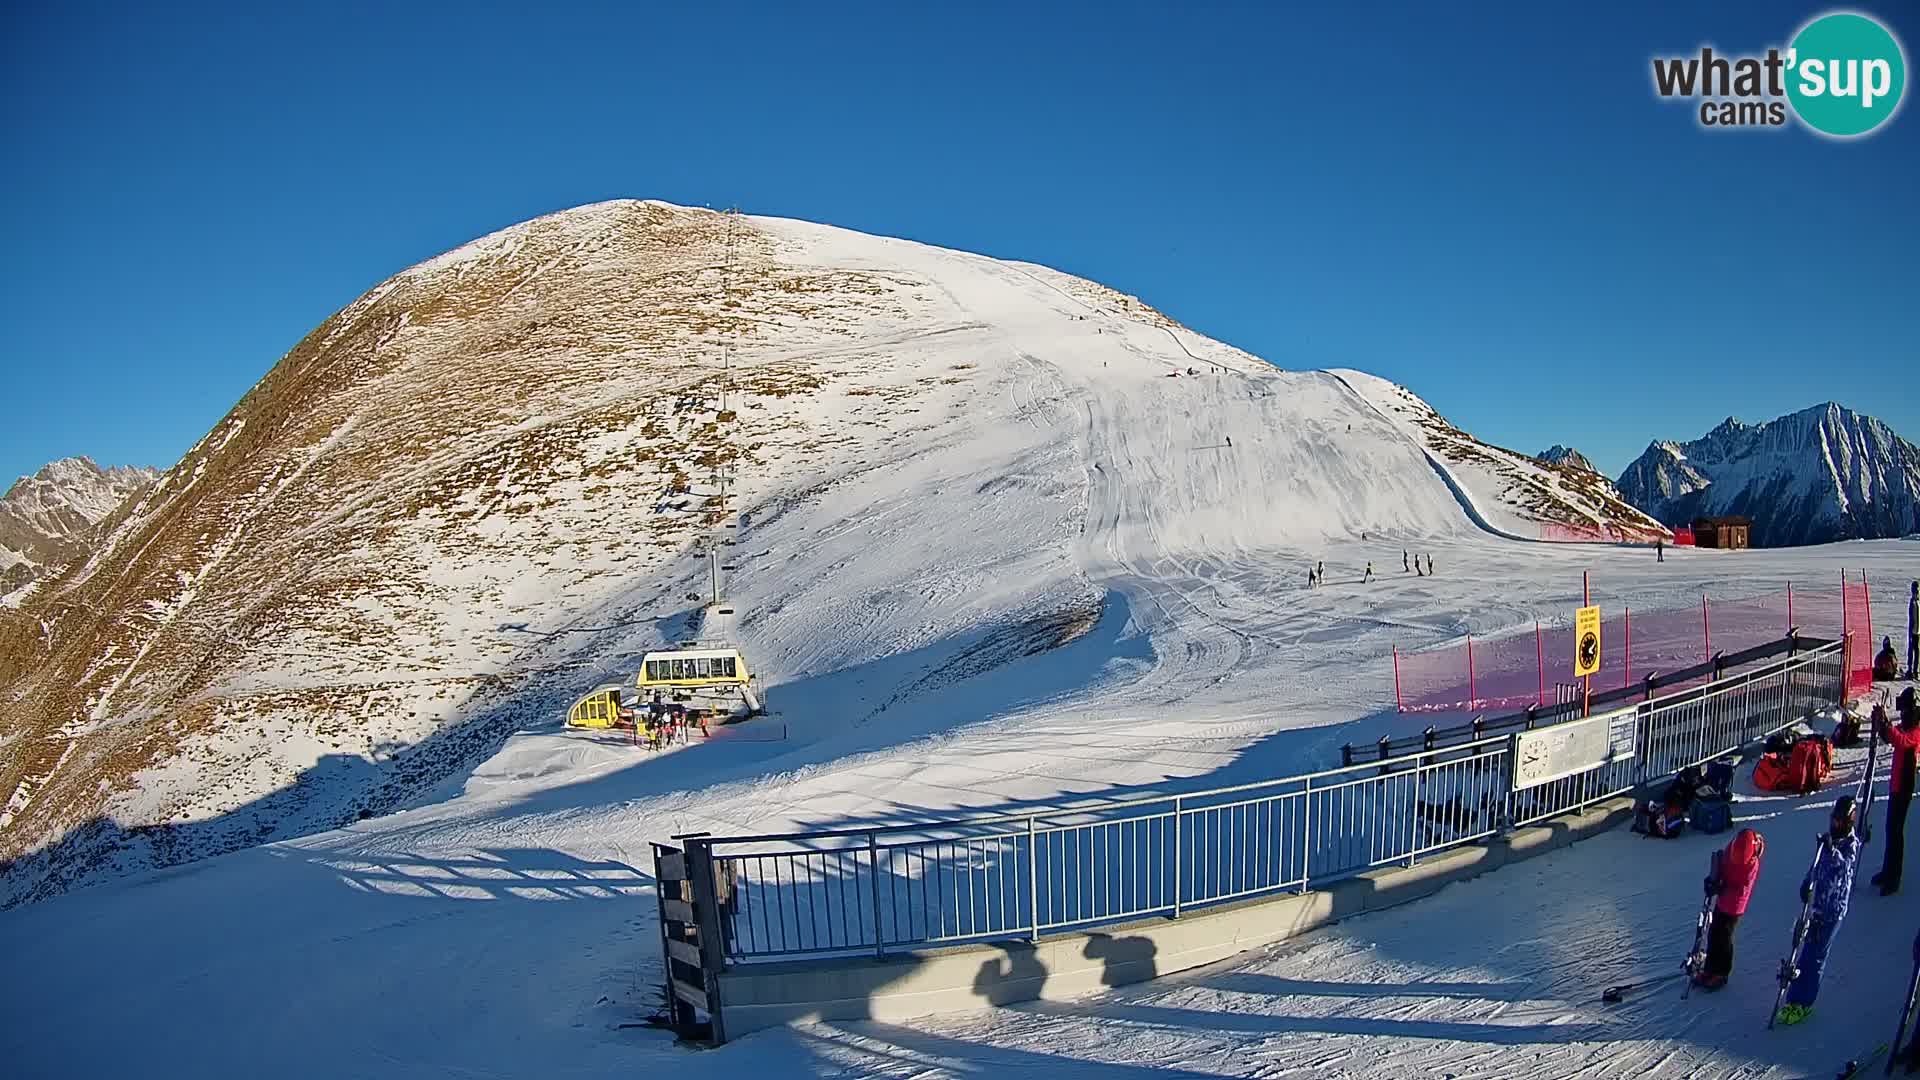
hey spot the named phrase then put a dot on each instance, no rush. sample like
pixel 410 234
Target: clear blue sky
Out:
pixel 1496 212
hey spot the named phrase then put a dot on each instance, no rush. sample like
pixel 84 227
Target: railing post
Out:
pixel 1530 717
pixel 1650 678
pixel 1386 749
pixel 1306 834
pixel 1427 737
pixel 873 865
pixel 1033 884
pixel 1413 808
pixel 1179 877
pixel 1346 755
pixel 706 913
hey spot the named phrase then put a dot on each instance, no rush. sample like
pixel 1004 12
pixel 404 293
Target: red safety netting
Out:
pixel 1516 670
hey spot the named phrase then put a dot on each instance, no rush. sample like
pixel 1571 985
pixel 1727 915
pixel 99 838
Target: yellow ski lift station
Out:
pixel 599 709
pixel 682 671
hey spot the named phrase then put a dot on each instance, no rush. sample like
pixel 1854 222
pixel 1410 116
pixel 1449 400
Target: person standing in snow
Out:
pixel 1731 885
pixel 1320 572
pixel 1904 741
pixel 1313 578
pixel 1403 560
pixel 1826 889
pixel 1429 564
pixel 1368 576
pixel 1659 550
pixel 1913 632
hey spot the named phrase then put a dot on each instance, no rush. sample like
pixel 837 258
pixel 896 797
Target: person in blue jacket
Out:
pixel 1826 889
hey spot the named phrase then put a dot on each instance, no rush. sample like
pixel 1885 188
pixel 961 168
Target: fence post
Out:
pixel 1386 748
pixel 1706 626
pixel 1626 673
pixel 1346 755
pixel 1306 834
pixel 1866 598
pixel 1179 861
pixel 1399 703
pixel 706 913
pixel 1413 805
pixel 873 862
pixel 1427 737
pixel 1479 727
pixel 1472 696
pixel 1789 607
pixel 1650 677
pixel 1530 718
pixel 1540 658
pixel 1033 885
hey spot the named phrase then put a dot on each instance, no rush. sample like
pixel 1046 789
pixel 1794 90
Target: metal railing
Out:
pixel 870 890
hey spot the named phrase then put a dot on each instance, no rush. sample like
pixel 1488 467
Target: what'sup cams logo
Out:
pixel 1843 75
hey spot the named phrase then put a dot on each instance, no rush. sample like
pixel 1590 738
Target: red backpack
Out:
pixel 1810 764
pixel 1771 773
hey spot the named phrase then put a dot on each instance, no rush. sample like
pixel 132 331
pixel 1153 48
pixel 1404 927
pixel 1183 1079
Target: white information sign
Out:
pixel 1562 750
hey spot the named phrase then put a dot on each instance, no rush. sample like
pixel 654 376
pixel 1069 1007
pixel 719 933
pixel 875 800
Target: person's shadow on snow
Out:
pixel 1016 976
pixel 1123 959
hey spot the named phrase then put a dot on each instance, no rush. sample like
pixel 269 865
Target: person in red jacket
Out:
pixel 1904 740
pixel 1738 868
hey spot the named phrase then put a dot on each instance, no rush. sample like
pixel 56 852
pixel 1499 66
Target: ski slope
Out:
pixel 509 929
pixel 1006 551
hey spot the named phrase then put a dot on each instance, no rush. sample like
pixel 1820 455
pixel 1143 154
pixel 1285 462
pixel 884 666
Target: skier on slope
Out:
pixel 1904 741
pixel 1827 888
pixel 1429 564
pixel 1403 560
pixel 1731 884
pixel 1368 576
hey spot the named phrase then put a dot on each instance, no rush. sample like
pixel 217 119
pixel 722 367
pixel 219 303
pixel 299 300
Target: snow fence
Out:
pixel 1517 670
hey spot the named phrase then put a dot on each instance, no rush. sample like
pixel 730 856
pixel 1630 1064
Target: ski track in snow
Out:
pixel 507 926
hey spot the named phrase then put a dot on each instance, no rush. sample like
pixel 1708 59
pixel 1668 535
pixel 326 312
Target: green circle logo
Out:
pixel 1846 74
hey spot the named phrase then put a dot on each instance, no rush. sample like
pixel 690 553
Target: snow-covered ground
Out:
pixel 509 929
pixel 996 546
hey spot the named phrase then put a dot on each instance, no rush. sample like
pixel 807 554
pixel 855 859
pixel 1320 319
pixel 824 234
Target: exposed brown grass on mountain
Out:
pixel 549 397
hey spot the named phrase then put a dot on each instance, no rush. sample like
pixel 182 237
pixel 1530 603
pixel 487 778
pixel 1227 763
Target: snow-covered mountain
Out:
pixel 1505 491
pixel 49 517
pixel 473 492
pixel 1566 455
pixel 1820 474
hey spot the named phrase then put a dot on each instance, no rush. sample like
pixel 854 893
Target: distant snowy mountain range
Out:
pixel 1821 474
pixel 1566 455
pixel 50 517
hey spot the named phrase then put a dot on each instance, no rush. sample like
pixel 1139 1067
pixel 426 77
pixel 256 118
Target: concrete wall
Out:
pixel 903 985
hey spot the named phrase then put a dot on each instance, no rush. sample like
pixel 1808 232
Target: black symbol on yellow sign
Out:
pixel 1589 652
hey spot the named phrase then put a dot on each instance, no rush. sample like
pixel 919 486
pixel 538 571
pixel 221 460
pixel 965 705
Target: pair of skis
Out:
pixel 1790 965
pixel 1863 825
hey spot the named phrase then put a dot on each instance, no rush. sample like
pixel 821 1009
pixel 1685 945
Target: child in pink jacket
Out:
pixel 1732 885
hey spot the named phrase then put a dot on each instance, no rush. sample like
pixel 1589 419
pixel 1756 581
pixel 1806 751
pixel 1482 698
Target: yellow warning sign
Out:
pixel 1586 641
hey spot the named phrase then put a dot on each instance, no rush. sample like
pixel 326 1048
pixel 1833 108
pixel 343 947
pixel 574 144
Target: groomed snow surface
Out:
pixel 509 930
